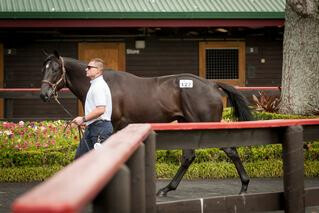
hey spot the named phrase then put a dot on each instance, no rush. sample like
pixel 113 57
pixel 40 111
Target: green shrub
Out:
pixel 270 116
pixel 46 148
pixel 246 154
pixel 13 158
pixel 227 115
pixel 28 174
pixel 219 170
pixel 206 170
pixel 312 168
pixel 168 156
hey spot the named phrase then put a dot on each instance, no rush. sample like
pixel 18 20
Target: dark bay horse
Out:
pixel 184 97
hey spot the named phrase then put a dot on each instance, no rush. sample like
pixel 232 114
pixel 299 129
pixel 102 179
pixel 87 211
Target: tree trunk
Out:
pixel 300 76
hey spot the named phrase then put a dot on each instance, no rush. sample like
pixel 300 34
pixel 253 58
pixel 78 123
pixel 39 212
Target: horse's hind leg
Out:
pixel 187 159
pixel 233 155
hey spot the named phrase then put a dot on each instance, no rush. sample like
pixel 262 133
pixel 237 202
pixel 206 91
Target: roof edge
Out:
pixel 98 23
pixel 142 15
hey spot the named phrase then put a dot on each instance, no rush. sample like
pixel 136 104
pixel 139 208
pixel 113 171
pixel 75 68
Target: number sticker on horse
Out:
pixel 185 83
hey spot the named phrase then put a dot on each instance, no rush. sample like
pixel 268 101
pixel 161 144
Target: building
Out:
pixel 235 41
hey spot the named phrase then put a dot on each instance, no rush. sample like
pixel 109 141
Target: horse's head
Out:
pixel 53 79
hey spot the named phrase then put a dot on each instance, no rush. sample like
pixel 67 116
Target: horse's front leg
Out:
pixel 187 159
pixel 233 155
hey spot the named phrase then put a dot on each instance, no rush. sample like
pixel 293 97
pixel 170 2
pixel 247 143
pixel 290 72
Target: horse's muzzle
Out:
pixel 44 97
pixel 46 93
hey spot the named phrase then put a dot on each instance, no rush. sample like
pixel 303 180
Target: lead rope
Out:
pixel 80 130
pixel 81 133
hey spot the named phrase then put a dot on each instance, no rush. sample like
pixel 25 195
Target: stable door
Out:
pixel 113 55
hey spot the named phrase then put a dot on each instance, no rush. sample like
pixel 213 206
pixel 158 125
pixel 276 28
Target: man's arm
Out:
pixel 97 112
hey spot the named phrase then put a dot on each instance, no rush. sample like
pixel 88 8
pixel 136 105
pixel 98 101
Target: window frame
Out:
pixel 240 45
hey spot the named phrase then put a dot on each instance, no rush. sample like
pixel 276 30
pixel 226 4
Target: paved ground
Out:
pixel 186 190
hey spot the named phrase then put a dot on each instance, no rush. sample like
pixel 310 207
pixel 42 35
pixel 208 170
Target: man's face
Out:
pixel 92 70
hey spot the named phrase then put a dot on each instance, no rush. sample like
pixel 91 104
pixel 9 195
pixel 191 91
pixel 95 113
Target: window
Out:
pixel 223 61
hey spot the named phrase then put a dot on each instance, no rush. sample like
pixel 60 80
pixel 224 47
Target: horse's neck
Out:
pixel 77 81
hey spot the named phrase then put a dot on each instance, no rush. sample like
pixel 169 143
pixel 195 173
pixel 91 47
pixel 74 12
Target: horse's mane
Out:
pixel 84 64
pixel 66 59
pixel 76 61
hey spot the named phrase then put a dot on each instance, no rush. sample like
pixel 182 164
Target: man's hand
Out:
pixel 78 121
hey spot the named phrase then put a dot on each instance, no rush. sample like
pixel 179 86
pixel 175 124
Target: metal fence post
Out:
pixel 293 165
pixel 150 174
pixel 136 165
pixel 115 197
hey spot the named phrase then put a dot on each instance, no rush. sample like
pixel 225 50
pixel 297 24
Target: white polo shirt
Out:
pixel 99 94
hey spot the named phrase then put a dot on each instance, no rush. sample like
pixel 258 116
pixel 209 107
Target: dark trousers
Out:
pixel 97 131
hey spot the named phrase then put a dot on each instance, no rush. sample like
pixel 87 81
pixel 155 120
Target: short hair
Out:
pixel 99 63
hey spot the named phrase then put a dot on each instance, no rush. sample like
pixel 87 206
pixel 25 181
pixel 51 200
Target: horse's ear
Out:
pixel 56 54
pixel 44 52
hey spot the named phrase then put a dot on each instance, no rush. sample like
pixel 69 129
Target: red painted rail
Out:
pixel 73 187
pixel 67 90
pixel 289 133
pixel 234 125
pixel 28 90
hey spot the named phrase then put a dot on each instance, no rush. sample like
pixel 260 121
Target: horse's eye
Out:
pixel 55 68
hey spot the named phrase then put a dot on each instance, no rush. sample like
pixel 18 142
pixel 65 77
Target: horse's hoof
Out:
pixel 243 192
pixel 162 193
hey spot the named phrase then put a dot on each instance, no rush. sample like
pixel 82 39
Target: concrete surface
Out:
pixel 186 190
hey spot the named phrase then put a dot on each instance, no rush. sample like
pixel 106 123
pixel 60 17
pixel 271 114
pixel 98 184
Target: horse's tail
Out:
pixel 238 101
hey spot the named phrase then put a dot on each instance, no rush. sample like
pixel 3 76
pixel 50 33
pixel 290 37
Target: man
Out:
pixel 98 110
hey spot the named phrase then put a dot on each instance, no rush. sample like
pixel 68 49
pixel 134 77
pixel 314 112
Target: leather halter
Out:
pixel 62 79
